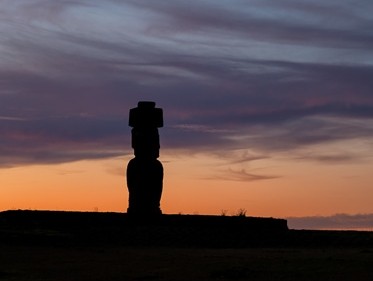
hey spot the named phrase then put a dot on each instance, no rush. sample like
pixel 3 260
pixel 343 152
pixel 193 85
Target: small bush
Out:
pixel 223 213
pixel 241 213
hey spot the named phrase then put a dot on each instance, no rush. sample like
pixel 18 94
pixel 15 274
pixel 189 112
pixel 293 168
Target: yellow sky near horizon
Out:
pixel 194 184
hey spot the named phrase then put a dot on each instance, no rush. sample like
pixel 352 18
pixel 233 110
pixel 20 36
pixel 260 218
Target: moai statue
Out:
pixel 145 172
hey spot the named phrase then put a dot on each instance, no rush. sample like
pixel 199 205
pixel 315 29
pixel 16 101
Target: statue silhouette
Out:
pixel 145 172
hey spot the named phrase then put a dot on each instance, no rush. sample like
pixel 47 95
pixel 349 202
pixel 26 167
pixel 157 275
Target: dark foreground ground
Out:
pixel 37 245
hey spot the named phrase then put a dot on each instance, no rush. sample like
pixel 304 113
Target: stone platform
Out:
pixel 58 227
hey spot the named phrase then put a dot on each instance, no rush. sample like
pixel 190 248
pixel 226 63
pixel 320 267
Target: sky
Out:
pixel 268 104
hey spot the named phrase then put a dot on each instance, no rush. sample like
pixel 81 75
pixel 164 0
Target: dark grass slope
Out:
pixel 192 231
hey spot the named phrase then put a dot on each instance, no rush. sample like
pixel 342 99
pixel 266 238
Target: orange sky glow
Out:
pixel 193 185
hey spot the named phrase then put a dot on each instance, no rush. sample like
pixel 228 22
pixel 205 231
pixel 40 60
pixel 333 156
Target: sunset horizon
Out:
pixel 268 106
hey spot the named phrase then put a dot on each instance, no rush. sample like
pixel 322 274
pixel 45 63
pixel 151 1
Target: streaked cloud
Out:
pixel 241 175
pixel 338 221
pixel 269 76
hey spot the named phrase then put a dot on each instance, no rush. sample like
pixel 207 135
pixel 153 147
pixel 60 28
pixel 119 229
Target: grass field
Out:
pixel 34 246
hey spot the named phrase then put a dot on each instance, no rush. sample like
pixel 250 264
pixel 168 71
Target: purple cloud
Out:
pixel 338 221
pixel 229 75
